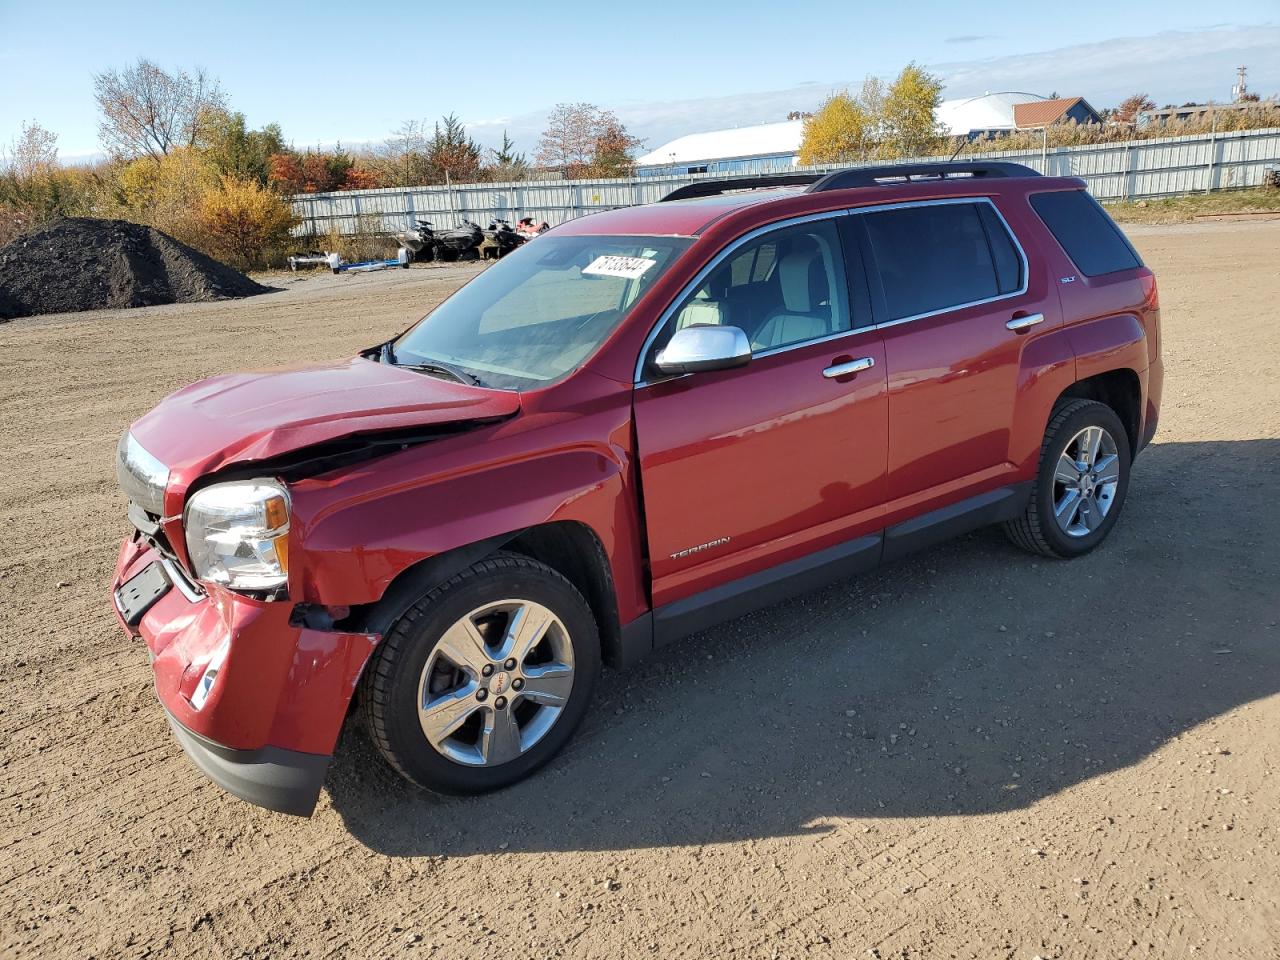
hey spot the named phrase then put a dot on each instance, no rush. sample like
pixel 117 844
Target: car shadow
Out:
pixel 968 679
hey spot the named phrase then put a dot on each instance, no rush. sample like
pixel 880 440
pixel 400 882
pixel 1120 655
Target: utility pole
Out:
pixel 1241 88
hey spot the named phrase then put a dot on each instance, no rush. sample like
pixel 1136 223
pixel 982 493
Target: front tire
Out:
pixel 1081 483
pixel 485 678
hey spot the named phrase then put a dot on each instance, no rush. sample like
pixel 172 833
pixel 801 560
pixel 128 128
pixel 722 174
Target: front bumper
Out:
pixel 265 725
pixel 283 780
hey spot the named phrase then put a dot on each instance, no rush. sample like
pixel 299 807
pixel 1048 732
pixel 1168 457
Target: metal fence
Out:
pixel 1114 171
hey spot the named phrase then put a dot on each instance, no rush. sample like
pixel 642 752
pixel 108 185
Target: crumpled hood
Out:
pixel 243 417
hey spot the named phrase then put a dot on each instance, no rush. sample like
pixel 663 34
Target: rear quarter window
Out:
pixel 1092 241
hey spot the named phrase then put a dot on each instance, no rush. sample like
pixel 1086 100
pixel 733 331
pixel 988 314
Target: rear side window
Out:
pixel 1092 241
pixel 940 256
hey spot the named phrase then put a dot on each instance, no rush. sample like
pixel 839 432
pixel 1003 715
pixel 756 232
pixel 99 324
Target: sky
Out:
pixel 351 73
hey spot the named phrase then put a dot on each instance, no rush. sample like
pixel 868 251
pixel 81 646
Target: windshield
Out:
pixel 538 313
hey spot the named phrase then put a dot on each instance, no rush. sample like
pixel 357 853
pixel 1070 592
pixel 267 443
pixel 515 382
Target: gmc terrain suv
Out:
pixel 641 424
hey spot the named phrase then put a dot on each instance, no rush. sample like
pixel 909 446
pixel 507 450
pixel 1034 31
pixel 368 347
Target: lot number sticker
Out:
pixel 629 268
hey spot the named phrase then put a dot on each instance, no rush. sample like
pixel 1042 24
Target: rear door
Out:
pixel 957 304
pixel 748 468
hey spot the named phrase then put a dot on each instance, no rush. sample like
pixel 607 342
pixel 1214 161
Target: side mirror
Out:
pixel 704 347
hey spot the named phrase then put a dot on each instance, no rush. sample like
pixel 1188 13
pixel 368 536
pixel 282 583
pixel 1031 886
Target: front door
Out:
pixel 745 469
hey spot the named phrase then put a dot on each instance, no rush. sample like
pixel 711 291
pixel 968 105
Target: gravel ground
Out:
pixel 967 754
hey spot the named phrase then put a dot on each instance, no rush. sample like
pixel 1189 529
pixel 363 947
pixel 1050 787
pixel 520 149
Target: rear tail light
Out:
pixel 1150 293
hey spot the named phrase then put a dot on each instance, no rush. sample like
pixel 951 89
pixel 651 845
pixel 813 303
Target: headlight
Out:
pixel 238 534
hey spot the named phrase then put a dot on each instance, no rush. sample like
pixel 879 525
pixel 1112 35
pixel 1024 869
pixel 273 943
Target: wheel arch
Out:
pixel 1121 390
pixel 569 547
pixel 573 549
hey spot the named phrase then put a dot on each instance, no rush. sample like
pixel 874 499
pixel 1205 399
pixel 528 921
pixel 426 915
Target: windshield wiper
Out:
pixel 455 373
pixel 387 354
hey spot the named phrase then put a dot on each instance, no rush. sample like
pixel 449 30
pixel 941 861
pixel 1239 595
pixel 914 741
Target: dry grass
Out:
pixel 1190 206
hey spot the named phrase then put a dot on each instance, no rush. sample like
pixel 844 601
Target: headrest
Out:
pixel 700 311
pixel 794 272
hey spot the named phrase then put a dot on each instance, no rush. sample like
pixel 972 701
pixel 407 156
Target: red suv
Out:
pixel 641 424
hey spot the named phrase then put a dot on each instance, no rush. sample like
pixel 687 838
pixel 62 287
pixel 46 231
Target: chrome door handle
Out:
pixel 851 366
pixel 1018 324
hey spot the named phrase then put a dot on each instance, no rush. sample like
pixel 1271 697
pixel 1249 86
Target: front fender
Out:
pixel 356 530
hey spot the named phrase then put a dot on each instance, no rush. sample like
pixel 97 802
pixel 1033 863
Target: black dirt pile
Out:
pixel 78 263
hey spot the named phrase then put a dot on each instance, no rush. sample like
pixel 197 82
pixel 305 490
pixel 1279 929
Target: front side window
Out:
pixel 537 314
pixel 784 288
pixel 939 256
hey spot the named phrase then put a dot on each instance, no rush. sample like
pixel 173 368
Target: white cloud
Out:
pixel 1172 67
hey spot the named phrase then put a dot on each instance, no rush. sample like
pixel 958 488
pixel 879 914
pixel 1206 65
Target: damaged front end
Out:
pixel 255 676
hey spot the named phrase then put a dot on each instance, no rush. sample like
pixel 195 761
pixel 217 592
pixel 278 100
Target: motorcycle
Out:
pixel 499 240
pixel 420 241
pixel 462 243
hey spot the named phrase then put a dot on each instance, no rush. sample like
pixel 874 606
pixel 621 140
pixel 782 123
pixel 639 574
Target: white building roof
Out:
pixel 991 111
pixel 761 140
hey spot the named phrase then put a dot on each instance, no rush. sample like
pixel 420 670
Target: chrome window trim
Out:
pixel 638 376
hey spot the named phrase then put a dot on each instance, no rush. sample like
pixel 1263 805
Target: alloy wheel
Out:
pixel 1085 481
pixel 496 682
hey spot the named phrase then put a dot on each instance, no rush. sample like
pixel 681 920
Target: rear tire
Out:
pixel 461 699
pixel 1081 483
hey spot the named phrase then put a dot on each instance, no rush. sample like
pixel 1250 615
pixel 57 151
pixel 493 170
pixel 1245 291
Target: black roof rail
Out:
pixel 710 188
pixel 855 177
pixel 909 172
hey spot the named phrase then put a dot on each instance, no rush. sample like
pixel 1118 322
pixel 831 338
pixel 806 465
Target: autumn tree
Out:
pixel 33 187
pixel 838 132
pixel 323 171
pixel 1131 106
pixel 451 154
pixel 242 222
pixel 910 114
pixel 223 138
pixel 846 128
pixel 361 177
pixel 613 153
pixel 583 140
pixel 163 193
pixel 284 172
pixel 147 111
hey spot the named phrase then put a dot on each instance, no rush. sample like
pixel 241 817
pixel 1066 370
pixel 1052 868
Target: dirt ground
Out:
pixel 967 754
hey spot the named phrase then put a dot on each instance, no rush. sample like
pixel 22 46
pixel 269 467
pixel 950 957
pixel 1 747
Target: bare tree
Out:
pixel 403 159
pixel 34 151
pixel 569 142
pixel 147 111
pixel 581 139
